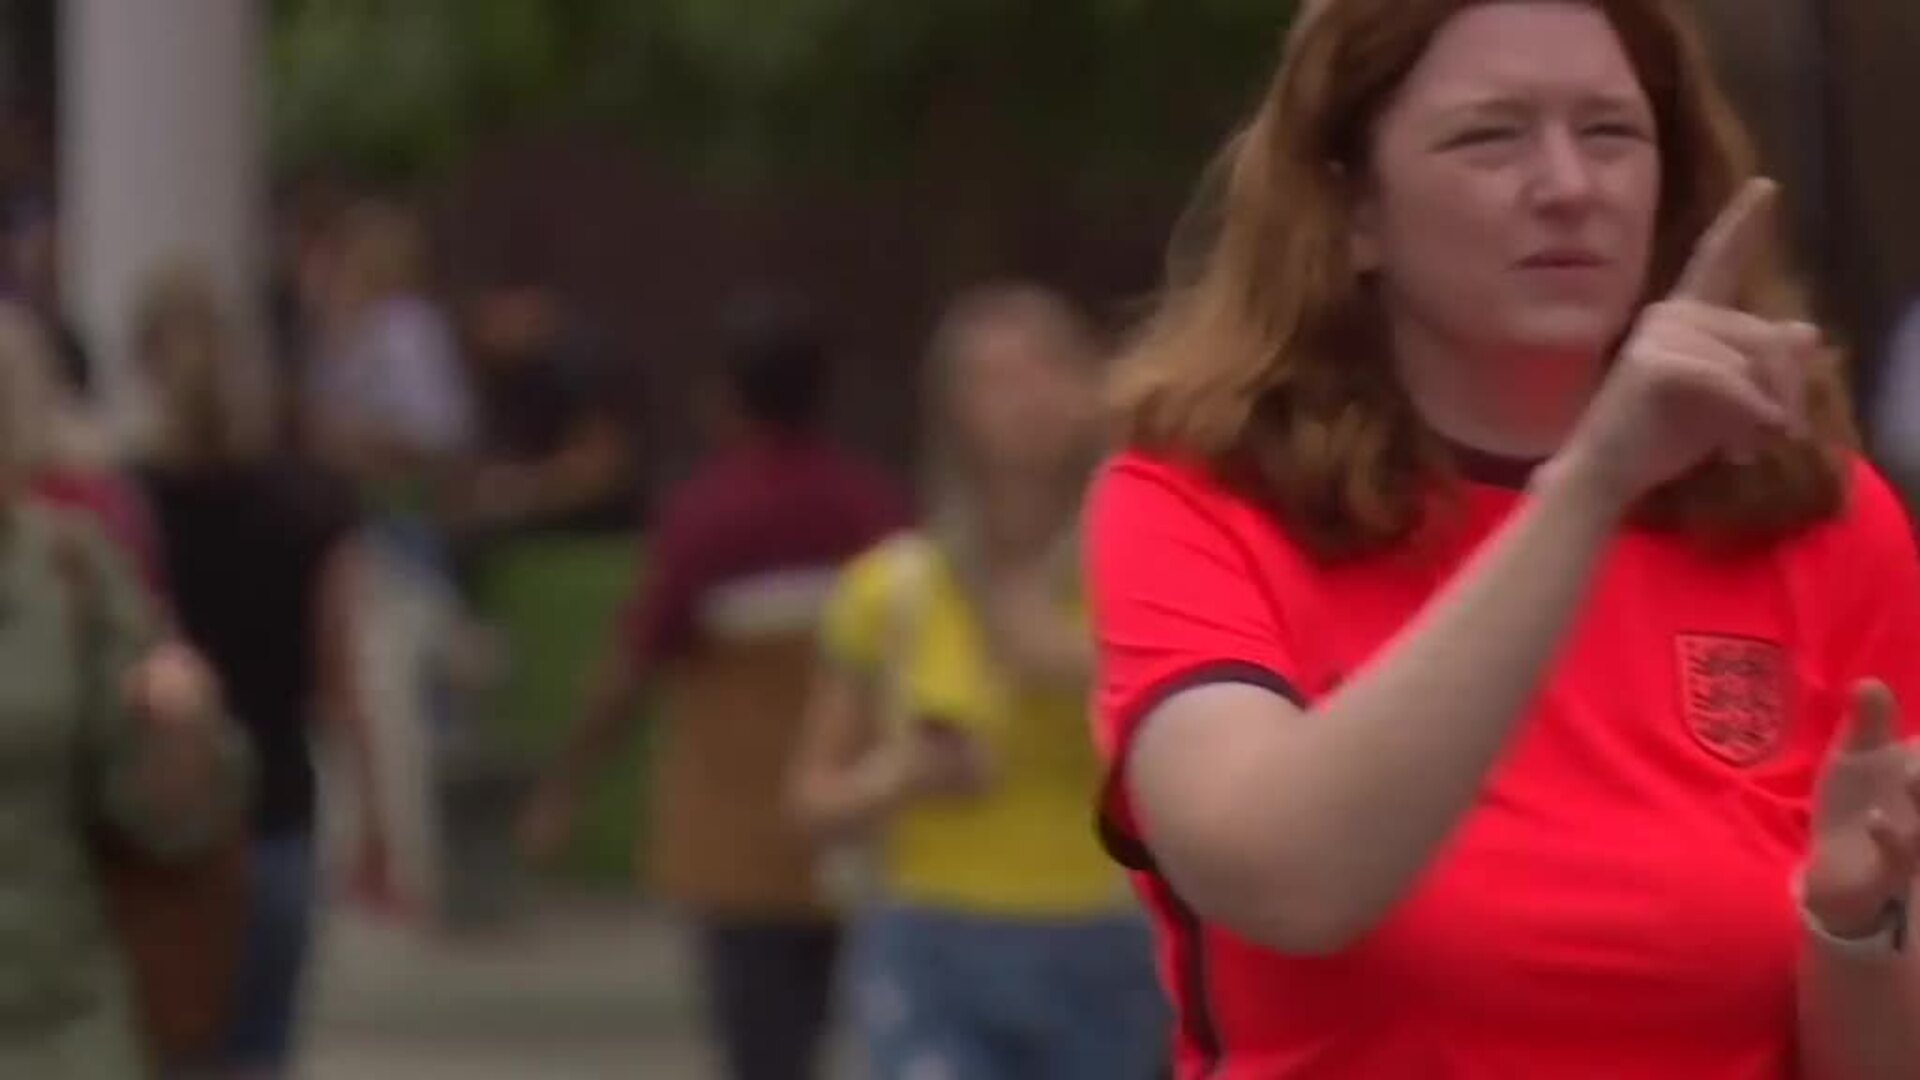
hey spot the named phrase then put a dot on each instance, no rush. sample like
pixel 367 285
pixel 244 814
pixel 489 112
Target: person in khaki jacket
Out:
pixel 125 735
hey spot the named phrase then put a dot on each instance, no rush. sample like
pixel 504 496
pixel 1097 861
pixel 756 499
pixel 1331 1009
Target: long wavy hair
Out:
pixel 213 404
pixel 1265 359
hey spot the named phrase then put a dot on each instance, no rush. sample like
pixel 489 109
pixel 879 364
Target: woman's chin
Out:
pixel 1566 331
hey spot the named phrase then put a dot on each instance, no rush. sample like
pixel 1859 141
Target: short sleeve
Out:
pixel 852 628
pixel 1876 629
pixel 1178 599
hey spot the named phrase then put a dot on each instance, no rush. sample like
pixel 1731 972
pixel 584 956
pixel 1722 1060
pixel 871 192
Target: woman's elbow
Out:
pixel 1316 930
pixel 1290 909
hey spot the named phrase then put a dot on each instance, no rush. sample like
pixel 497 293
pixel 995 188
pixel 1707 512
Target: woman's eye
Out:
pixel 1485 136
pixel 1620 130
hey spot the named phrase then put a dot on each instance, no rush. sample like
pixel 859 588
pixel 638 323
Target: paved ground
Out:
pixel 584 992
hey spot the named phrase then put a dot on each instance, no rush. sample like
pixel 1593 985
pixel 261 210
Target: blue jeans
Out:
pixel 949 996
pixel 274 961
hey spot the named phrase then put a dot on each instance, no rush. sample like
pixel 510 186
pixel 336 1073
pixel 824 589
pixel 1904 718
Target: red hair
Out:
pixel 1264 358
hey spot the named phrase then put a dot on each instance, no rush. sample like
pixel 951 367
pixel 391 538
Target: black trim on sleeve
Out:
pixel 1199 1027
pixel 1121 844
pixel 1197 1023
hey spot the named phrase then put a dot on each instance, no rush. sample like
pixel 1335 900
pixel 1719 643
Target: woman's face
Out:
pixel 1515 184
pixel 1022 397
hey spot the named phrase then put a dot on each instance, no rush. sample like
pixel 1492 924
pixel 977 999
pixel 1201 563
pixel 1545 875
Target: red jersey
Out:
pixel 1616 904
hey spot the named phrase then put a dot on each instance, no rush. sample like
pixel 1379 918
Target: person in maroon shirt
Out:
pixel 739 568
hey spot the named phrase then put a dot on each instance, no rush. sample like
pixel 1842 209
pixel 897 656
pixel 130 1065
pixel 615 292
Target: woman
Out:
pixel 949 721
pixel 1489 605
pixel 389 408
pixel 263 565
pixel 106 732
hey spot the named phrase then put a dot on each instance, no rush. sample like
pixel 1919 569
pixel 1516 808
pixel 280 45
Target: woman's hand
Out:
pixel 1698 377
pixel 1035 636
pixel 172 689
pixel 1866 832
pixel 933 761
pixel 177 698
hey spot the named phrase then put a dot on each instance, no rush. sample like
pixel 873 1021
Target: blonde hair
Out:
pixel 951 473
pixel 213 407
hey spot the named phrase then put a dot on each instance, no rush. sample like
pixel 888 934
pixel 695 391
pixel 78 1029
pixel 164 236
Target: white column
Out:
pixel 161 155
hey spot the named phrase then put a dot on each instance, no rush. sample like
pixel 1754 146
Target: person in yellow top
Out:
pixel 946 737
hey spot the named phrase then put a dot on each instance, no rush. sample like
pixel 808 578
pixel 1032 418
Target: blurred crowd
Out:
pixel 260 608
pixel 870 780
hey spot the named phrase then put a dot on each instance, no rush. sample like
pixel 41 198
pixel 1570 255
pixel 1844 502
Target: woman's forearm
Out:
pixel 1051 653
pixel 339 617
pixel 355 729
pixel 848 799
pixel 1403 750
pixel 1326 820
pixel 1860 1018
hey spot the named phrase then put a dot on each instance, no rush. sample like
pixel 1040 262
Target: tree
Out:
pixel 740 89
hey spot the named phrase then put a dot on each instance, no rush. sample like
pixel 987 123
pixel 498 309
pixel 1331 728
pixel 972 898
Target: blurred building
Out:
pixel 1826 84
pixel 144 125
pixel 146 120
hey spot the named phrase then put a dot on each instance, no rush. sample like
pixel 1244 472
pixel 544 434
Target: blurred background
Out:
pixel 550 208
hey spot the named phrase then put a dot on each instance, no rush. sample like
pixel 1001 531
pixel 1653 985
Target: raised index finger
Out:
pixel 1728 247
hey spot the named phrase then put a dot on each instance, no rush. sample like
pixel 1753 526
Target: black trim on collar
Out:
pixel 1493 470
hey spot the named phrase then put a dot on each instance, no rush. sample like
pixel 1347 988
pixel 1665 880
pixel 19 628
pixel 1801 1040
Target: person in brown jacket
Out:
pixel 738 571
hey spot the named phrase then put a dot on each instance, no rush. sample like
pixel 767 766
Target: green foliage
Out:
pixel 398 89
pixel 746 88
